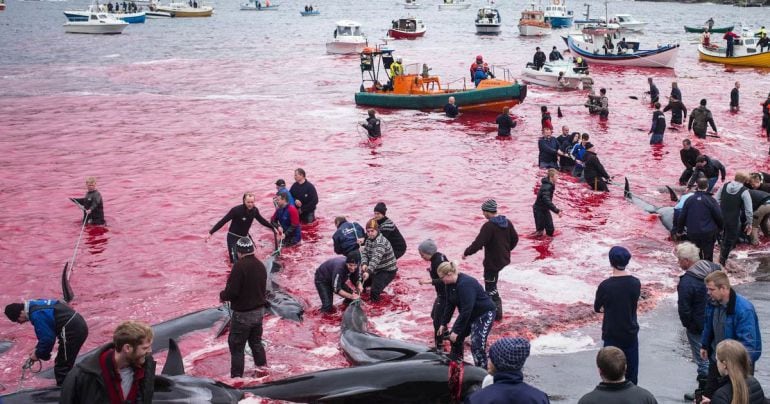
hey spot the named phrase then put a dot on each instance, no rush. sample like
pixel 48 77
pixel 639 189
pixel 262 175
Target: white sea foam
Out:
pixel 565 289
pixel 327 351
pixel 391 325
pixel 560 343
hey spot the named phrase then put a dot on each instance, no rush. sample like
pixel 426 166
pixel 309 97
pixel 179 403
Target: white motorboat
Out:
pixel 258 5
pixel 454 5
pixel 412 4
pixel 137 17
pixel 488 21
pixel 185 10
pixel 97 23
pixel 532 23
pixel 627 22
pixel 348 39
pixel 596 45
pixel 558 74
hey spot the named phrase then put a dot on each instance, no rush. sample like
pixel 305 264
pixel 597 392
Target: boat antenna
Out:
pixel 588 11
pixel 606 13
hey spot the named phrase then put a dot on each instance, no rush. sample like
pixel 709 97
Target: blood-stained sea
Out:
pixel 178 118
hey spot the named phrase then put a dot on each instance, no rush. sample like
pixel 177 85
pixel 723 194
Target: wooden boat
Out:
pixel 407 28
pixel 184 10
pixel 348 39
pixel 488 21
pixel 532 23
pixel 425 92
pixel 592 43
pixel 549 76
pixel 702 28
pixel 258 5
pixel 97 23
pixel 746 52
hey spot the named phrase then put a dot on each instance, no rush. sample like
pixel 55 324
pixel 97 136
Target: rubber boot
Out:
pixel 499 306
pixel 702 380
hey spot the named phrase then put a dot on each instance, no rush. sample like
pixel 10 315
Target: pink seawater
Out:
pixel 177 118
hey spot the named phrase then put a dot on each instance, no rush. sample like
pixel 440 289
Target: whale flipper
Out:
pixel 174 365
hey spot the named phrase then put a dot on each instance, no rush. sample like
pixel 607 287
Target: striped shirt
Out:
pixel 378 255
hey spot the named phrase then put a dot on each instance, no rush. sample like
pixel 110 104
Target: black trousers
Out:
pixel 543 220
pixel 246 327
pixel 729 240
pixel 379 281
pixel 327 296
pixel 307 217
pixel 705 242
pixel 597 184
pixel 686 174
pixel 436 315
pixel 75 334
pixel 490 286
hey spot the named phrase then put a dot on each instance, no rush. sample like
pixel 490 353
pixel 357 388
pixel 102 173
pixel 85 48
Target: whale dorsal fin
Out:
pixel 174 364
pixel 672 194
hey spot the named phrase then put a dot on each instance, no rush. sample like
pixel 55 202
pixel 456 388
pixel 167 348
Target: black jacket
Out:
pixel 471 301
pixel 593 168
pixel 93 201
pixel 554 56
pixel 712 169
pixel 306 194
pixel 372 127
pixel 240 220
pixel 700 214
pixel 498 237
pixel 724 394
pixel 539 58
pixel 734 97
pixel 436 260
pixel 678 111
pixel 545 196
pixel 246 285
pixel 692 295
pixel 758 198
pixel 658 123
pixel 393 235
pixel 699 119
pixel 688 156
pixel 504 124
pixel 85 384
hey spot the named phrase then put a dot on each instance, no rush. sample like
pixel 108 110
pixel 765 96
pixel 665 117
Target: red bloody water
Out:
pixel 178 118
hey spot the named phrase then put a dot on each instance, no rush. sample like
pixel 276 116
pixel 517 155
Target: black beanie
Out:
pixel 380 208
pixel 13 311
pixel 353 257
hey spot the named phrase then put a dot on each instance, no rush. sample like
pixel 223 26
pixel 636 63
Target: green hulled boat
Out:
pixel 700 29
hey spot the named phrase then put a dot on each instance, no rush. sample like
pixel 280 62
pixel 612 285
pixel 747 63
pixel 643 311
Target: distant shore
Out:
pixel 739 3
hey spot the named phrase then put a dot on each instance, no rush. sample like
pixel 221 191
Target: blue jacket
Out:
pixel 692 295
pixel 548 150
pixel 346 237
pixel 48 317
pixel 508 388
pixel 578 150
pixel 290 197
pixel 700 214
pixel 741 324
pixel 471 301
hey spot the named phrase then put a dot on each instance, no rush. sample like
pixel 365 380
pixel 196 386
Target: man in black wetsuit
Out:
pixel 305 196
pixel 92 204
pixel 688 154
pixel 505 123
pixel 240 218
pixel 372 125
pixel 539 59
pixel 654 92
pixel 429 252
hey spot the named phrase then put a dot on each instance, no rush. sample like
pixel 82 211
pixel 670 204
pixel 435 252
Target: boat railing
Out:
pixel 448 85
pixel 507 75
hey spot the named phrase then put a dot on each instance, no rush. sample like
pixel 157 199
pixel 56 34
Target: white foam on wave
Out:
pixel 560 343
pixel 565 289
pixel 112 56
pixel 391 325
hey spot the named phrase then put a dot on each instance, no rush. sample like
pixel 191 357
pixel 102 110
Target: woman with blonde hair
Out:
pixel 475 313
pixel 736 385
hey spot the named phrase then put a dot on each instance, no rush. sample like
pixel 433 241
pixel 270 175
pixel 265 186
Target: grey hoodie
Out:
pixel 702 268
pixel 732 188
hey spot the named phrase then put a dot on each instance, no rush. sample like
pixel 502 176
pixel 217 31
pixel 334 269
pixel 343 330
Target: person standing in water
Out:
pixel 372 125
pixel 92 204
pixel 240 218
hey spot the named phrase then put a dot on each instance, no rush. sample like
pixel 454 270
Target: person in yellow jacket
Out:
pixel 396 68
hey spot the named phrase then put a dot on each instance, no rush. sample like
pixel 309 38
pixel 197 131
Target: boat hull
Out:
pixel 720 30
pixel 754 60
pixel 663 57
pixel 398 34
pixel 632 26
pixel 159 14
pixel 486 99
pixel 488 29
pixel 187 12
pixel 559 22
pixel 345 48
pixel 412 6
pixel 131 18
pixel 252 7
pixel 454 6
pixel 551 79
pixel 309 13
pixel 533 30
pixel 99 29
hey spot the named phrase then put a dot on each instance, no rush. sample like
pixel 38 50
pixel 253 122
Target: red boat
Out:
pixel 407 28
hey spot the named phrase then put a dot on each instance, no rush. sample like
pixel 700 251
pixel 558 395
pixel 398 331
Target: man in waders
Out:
pixel 240 218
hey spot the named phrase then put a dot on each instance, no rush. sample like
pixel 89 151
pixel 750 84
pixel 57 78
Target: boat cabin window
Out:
pixel 357 31
pixel 343 31
pixel 94 17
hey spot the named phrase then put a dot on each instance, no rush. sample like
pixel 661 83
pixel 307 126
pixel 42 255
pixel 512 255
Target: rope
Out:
pixel 27 369
pixel 77 244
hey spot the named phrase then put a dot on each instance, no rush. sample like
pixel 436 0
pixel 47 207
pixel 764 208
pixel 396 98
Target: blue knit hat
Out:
pixel 509 353
pixel 619 257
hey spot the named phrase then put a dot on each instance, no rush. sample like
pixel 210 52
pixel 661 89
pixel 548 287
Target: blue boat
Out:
pixel 131 18
pixel 557 15
pixel 309 13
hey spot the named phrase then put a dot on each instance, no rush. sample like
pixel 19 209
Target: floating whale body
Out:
pixel 362 347
pixel 665 214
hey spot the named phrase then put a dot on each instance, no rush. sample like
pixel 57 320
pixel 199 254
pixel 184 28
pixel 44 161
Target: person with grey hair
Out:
pixel 691 302
pixel 429 252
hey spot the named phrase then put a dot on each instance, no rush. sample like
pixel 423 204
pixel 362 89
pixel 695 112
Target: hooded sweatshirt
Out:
pixel 692 295
pixel 733 188
pixel 498 237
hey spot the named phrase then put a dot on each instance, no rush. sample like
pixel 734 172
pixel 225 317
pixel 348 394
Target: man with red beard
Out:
pixel 123 371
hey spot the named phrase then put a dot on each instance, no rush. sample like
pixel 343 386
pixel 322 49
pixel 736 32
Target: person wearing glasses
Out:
pixel 476 313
